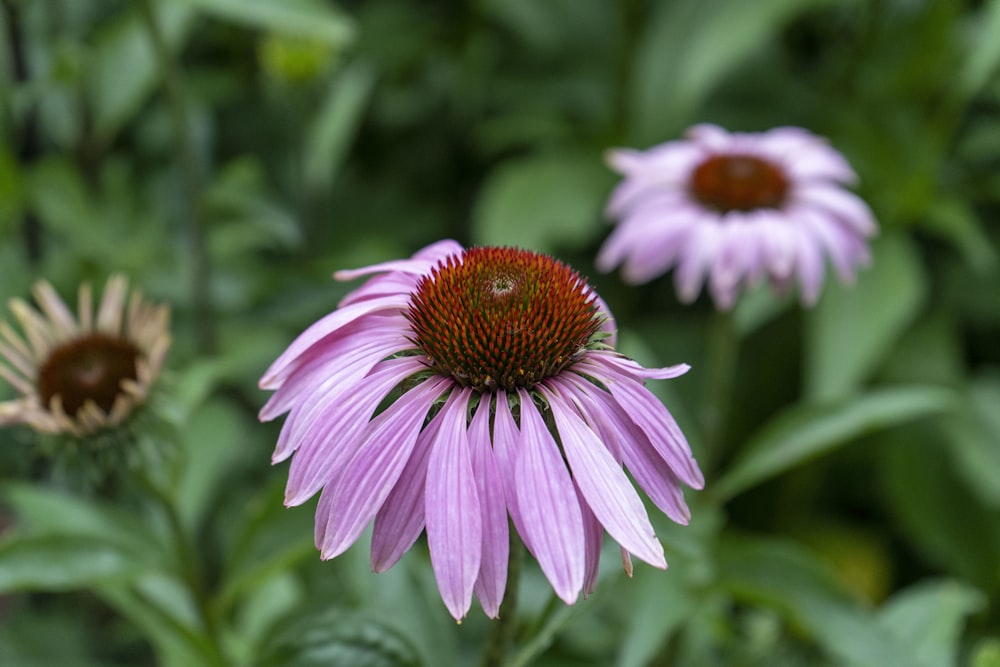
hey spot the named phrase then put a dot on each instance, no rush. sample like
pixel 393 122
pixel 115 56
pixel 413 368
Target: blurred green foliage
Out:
pixel 228 155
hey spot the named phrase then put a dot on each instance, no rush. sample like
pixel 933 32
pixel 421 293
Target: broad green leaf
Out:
pixel 55 513
pixel 61 563
pixel 332 130
pixel 788 579
pixel 929 617
pixel 542 201
pixel 337 638
pixel 124 71
pixel 306 18
pixel 806 431
pixel 852 328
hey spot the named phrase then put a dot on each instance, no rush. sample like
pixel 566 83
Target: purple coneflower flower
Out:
pixel 79 375
pixel 460 387
pixel 735 208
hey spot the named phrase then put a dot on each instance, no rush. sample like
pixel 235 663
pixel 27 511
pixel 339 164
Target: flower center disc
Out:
pixel 502 317
pixel 738 183
pixel 90 368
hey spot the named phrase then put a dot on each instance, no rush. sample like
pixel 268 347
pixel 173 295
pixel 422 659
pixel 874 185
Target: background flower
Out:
pixel 510 404
pixel 734 208
pixel 85 373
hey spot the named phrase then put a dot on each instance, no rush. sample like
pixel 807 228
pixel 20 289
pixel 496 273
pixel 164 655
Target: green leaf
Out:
pixel 928 616
pixel 335 125
pixel 61 563
pixel 785 577
pixel 55 513
pixel 542 201
pixel 337 638
pixel 305 18
pixel 806 431
pixel 852 329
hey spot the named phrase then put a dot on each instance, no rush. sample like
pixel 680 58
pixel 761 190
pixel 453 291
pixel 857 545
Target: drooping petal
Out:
pixel 452 509
pixel 284 364
pixel 646 412
pixel 593 535
pixel 327 447
pixel 400 521
pixel 619 434
pixel 492 580
pixel 506 439
pixel 603 483
pixel 334 364
pixel 548 505
pixel 374 470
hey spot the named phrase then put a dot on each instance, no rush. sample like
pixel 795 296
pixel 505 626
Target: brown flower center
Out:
pixel 502 317
pixel 88 368
pixel 739 183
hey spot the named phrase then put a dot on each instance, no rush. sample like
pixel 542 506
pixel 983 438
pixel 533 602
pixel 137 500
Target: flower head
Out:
pixel 459 387
pixel 79 375
pixel 735 208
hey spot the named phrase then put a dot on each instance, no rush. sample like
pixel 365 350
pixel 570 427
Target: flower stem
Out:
pixel 722 355
pixel 503 627
pixel 190 572
pixel 204 320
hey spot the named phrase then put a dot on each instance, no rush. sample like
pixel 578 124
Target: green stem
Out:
pixel 204 319
pixel 555 616
pixel 722 355
pixel 503 627
pixel 190 572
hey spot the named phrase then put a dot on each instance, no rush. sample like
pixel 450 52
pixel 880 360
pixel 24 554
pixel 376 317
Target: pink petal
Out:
pixel 492 580
pixel 548 505
pixel 593 535
pixel 650 471
pixel 604 484
pixel 285 364
pixel 374 470
pixel 652 418
pixel 334 363
pixel 400 521
pixel 506 437
pixel 452 509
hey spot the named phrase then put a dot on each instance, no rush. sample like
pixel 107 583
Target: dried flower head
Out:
pixel 80 375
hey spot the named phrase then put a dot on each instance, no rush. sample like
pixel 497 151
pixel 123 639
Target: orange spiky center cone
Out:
pixel 502 317
pixel 88 368
pixel 739 183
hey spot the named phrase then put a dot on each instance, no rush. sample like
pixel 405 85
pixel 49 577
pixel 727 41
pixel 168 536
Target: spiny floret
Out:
pixel 502 317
